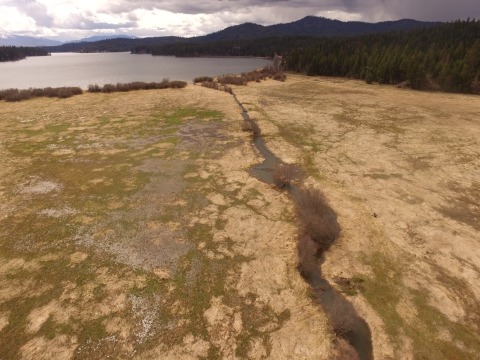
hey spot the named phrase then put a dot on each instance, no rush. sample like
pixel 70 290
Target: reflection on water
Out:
pixel 74 69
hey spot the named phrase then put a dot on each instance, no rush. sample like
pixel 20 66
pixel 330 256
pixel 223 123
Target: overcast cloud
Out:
pixel 73 19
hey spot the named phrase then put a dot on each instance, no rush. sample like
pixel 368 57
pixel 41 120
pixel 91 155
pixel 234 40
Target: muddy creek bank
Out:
pixel 358 332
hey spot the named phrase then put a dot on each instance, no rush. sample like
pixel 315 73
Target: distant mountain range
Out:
pixel 310 25
pixel 18 40
pixel 100 38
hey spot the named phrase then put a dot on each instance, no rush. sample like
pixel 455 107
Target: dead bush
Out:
pixel 318 219
pixel 279 76
pixel 307 255
pixel 94 88
pixel 201 79
pixel 284 174
pixel 109 88
pixel 37 92
pixel 345 351
pixel 4 94
pixel 255 128
pixel 177 84
pixel 246 126
pixel 19 95
pixel 342 316
pixel 123 87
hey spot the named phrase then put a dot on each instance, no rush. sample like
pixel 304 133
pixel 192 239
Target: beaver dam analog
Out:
pixel 133 225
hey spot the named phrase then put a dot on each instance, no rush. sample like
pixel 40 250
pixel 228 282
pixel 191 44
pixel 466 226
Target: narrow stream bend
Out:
pixel 359 336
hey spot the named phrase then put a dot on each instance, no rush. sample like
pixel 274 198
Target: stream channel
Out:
pixel 359 335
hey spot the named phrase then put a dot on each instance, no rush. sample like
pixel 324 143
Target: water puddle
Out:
pixel 358 334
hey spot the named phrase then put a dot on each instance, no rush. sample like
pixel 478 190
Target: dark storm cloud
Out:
pixel 367 9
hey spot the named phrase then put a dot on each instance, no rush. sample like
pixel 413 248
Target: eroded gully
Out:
pixel 324 294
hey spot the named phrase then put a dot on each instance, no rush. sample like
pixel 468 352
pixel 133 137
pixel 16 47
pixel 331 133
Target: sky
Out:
pixel 74 19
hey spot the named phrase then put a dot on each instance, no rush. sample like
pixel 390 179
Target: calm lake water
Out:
pixel 73 69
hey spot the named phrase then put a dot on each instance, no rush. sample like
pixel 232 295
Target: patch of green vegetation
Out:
pixel 93 330
pixel 425 334
pixel 57 128
pixel 221 223
pixel 180 115
pixel 385 290
pixel 99 292
pixel 383 176
pixel 49 329
pixel 255 316
pixel 153 285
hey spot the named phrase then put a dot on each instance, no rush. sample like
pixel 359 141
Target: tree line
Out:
pixel 445 57
pixel 13 53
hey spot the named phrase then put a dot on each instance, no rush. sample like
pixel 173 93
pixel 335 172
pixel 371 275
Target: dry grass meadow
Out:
pixel 413 158
pixel 130 229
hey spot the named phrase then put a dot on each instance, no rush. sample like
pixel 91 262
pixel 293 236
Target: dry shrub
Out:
pixel 345 351
pixel 307 255
pixel 94 88
pixel 201 79
pixel 255 128
pixel 232 80
pixel 138 85
pixel 318 220
pixel 246 126
pixel 37 92
pixel 279 76
pixel 215 86
pixel 123 87
pixel 284 174
pixel 4 94
pixel 177 84
pixel 342 317
pixel 109 88
pixel 19 95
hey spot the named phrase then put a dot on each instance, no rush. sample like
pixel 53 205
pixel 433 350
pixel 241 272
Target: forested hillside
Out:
pixel 112 45
pixel 309 25
pixel 12 53
pixel 445 57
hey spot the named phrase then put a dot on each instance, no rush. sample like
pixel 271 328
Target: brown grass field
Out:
pixel 413 158
pixel 130 229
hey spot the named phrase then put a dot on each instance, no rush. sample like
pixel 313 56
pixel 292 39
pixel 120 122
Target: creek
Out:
pixel 359 335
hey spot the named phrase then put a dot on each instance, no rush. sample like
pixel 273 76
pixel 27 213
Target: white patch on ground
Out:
pixel 56 213
pixel 36 186
pixel 146 315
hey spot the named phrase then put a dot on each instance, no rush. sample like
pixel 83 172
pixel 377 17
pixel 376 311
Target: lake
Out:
pixel 74 69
